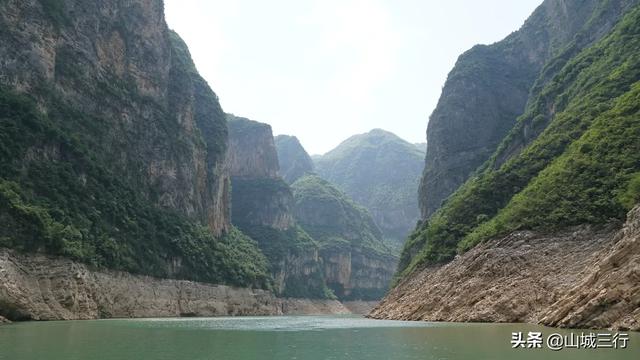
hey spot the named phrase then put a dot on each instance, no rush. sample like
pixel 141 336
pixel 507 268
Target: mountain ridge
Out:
pixel 380 171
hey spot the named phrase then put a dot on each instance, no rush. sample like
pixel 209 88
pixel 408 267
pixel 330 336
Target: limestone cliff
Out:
pixel 489 86
pixel 39 287
pixel 357 264
pixel 260 197
pixel 584 277
pixel 262 207
pixel 120 64
pixel 252 149
pixel 294 160
pixel 113 147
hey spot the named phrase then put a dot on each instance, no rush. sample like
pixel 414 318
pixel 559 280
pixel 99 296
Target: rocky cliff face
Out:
pixel 570 162
pixel 113 147
pixel 252 151
pixel 120 63
pixel 579 278
pixel 293 158
pixel 381 172
pixel 260 197
pixel 490 84
pixel 39 287
pixel 262 207
pixel 357 264
pixel 262 201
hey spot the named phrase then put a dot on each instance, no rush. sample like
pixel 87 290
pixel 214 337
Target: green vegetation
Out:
pixel 582 168
pixel 631 195
pixel 381 172
pixel 333 219
pixel 59 195
pixel 280 245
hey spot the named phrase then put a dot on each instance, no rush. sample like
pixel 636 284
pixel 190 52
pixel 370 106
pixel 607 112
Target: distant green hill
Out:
pixel 381 172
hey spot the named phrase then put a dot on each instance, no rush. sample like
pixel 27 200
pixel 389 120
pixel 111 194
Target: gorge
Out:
pixel 127 191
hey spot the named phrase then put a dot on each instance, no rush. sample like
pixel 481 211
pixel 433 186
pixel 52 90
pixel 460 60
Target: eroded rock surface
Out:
pixel 40 287
pixel 579 278
pixel 610 294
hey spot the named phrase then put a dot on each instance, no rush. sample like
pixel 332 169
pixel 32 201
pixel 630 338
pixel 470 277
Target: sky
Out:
pixel 324 70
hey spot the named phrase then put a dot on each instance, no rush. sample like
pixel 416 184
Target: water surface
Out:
pixel 286 337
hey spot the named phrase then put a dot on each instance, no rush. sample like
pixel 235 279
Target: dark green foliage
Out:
pixel 333 219
pixel 583 184
pixel 281 245
pixel 631 196
pixel 310 286
pixel 182 57
pixel 58 196
pixel 576 171
pixel 258 203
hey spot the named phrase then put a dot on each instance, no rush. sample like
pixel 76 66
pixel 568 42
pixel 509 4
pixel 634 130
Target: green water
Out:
pixel 288 337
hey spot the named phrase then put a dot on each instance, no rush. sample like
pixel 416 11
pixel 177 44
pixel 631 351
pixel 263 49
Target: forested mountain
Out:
pixel 300 227
pixel 381 172
pixel 112 147
pixel 562 171
pixel 491 85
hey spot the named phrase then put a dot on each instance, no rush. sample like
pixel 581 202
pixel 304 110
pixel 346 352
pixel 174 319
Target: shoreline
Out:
pixel 44 287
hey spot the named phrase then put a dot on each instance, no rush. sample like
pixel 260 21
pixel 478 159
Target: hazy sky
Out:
pixel 324 70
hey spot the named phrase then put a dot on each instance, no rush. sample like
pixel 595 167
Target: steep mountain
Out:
pixel 560 182
pixel 357 263
pixel 112 147
pixel 262 207
pixel 381 172
pixel 490 85
pixel 293 159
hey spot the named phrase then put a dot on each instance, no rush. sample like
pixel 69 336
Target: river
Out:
pixel 286 337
